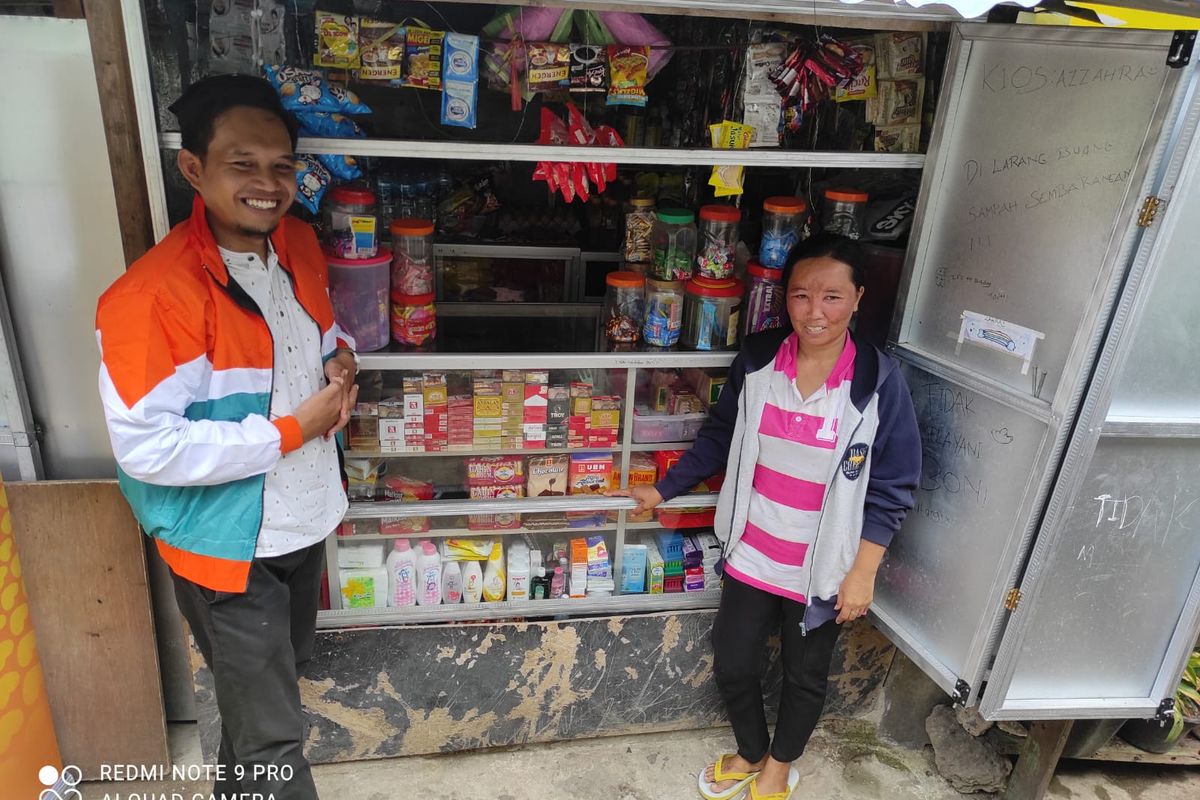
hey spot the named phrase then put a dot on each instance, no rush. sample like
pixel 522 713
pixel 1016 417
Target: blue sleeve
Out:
pixel 710 453
pixel 895 463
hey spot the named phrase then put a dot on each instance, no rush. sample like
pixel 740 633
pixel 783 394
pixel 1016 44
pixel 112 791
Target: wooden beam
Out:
pixel 119 112
pixel 1039 756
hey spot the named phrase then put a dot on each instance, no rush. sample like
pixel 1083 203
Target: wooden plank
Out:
pixel 111 59
pixel 85 574
pixel 1039 756
pixel 68 9
pixel 1186 752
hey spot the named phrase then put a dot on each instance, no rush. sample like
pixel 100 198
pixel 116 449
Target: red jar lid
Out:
pixel 785 204
pixel 759 271
pixel 712 287
pixel 384 256
pixel 847 195
pixel 411 227
pixel 412 299
pixel 348 195
pixel 720 213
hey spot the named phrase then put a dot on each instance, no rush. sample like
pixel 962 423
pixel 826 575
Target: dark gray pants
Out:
pixel 257 644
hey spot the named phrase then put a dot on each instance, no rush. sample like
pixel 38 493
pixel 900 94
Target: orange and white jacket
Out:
pixel 185 379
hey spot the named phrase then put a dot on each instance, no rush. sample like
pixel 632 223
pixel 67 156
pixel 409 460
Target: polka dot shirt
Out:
pixel 303 498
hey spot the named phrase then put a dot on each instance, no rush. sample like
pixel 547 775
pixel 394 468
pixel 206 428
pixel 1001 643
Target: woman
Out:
pixel 817 435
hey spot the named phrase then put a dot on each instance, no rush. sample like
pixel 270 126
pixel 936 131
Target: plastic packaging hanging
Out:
pixel 306 90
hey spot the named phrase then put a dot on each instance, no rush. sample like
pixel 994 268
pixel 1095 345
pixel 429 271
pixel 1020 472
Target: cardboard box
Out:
pixel 496 470
pixel 590 473
pixel 547 476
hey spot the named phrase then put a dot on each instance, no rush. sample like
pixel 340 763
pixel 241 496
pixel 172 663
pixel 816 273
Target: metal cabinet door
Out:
pixel 1043 142
pixel 1110 603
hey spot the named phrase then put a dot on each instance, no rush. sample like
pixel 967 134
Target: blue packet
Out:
pixel 328 125
pixel 460 80
pixel 341 167
pixel 312 179
pixel 305 90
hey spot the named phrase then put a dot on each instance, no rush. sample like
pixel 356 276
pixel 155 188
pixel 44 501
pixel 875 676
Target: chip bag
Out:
pixel 628 70
pixel 381 50
pixel 336 41
pixel 312 179
pixel 305 90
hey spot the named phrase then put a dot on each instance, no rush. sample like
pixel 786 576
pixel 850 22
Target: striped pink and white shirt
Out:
pixel 798 440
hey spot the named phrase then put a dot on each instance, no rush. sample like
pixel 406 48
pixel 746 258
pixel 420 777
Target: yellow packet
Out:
pixel 728 179
pixel 337 41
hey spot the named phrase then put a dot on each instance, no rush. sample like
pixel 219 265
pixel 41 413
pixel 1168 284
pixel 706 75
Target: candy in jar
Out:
pixel 674 242
pixel 764 298
pixel 845 212
pixel 624 306
pixel 784 226
pixel 414 319
pixel 351 223
pixel 358 289
pixel 710 320
pixel 412 264
pixel 639 224
pixel 718 240
pixel 664 312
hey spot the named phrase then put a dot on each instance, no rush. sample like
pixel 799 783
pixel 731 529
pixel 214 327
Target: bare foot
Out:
pixel 733 763
pixel 773 776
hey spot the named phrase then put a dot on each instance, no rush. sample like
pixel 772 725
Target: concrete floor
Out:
pixel 844 762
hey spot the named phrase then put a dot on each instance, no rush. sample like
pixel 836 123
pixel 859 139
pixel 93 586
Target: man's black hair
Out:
pixel 825 245
pixel 201 103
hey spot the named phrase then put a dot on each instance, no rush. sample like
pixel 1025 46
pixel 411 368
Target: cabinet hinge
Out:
pixel 1012 599
pixel 1149 211
pixel 1166 710
pixel 1179 54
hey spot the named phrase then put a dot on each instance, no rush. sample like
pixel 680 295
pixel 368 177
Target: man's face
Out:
pixel 248 177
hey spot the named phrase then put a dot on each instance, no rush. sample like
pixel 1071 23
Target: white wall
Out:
pixel 59 241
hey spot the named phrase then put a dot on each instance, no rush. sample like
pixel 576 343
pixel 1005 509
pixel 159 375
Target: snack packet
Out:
pixel 900 55
pixel 424 56
pixel 336 41
pixel 460 69
pixel 898 138
pixel 627 69
pixel 312 179
pixel 324 124
pixel 589 68
pixel 728 178
pixel 305 90
pixel 549 66
pixel 897 102
pixel 381 51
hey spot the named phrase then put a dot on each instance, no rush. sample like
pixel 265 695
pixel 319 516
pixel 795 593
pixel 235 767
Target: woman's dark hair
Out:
pixel 824 245
pixel 201 103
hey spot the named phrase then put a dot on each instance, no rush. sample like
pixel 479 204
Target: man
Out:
pixel 223 379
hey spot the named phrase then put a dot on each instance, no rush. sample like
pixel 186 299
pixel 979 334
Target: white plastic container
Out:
pixel 472 582
pixel 654 426
pixel 494 580
pixel 429 575
pixel 452 583
pixel 402 575
pixel 518 572
pixel 360 555
pixel 364 588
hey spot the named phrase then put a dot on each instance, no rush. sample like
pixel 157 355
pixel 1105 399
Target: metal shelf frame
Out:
pixel 683 157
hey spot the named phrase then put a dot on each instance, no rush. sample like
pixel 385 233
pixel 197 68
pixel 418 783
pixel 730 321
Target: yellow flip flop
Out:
pixel 743 780
pixel 793 782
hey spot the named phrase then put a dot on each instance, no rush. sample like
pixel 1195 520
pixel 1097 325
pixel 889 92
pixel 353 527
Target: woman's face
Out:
pixel 821 299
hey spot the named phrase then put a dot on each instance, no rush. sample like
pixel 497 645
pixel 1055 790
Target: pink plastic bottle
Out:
pixel 558 584
pixel 429 575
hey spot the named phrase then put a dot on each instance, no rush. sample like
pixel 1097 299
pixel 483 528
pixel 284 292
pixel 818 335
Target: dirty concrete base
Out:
pixel 845 761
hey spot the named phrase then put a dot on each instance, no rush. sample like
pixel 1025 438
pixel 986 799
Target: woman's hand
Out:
pixel 647 497
pixel 855 594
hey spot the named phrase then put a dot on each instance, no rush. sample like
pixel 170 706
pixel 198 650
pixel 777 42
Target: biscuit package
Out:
pixel 423 55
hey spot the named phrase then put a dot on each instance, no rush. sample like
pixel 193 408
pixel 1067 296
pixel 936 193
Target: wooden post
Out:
pixel 111 59
pixel 1038 758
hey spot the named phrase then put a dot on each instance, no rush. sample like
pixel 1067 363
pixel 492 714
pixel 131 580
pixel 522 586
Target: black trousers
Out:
pixel 745 620
pixel 257 644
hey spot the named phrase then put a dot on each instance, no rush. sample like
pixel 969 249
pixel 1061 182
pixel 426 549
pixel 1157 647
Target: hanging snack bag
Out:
pixel 336 41
pixel 381 50
pixel 305 90
pixel 460 91
pixel 549 66
pixel 324 124
pixel 312 179
pixel 424 55
pixel 898 102
pixel 589 68
pixel 627 72
pixel 900 55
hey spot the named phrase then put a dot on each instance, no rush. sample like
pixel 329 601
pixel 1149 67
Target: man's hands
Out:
pixel 342 368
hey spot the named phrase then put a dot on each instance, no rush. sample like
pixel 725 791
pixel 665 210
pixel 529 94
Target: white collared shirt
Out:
pixel 303 499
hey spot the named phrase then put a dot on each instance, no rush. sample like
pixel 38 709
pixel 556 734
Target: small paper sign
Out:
pixel 997 334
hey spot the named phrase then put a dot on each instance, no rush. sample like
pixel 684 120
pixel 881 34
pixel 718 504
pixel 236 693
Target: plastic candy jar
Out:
pixel 783 227
pixel 414 318
pixel 412 256
pixel 717 240
pixel 351 222
pixel 358 288
pixel 624 306
pixel 845 212
pixel 664 313
pixel 674 239
pixel 764 298
pixel 710 318
pixel 639 225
